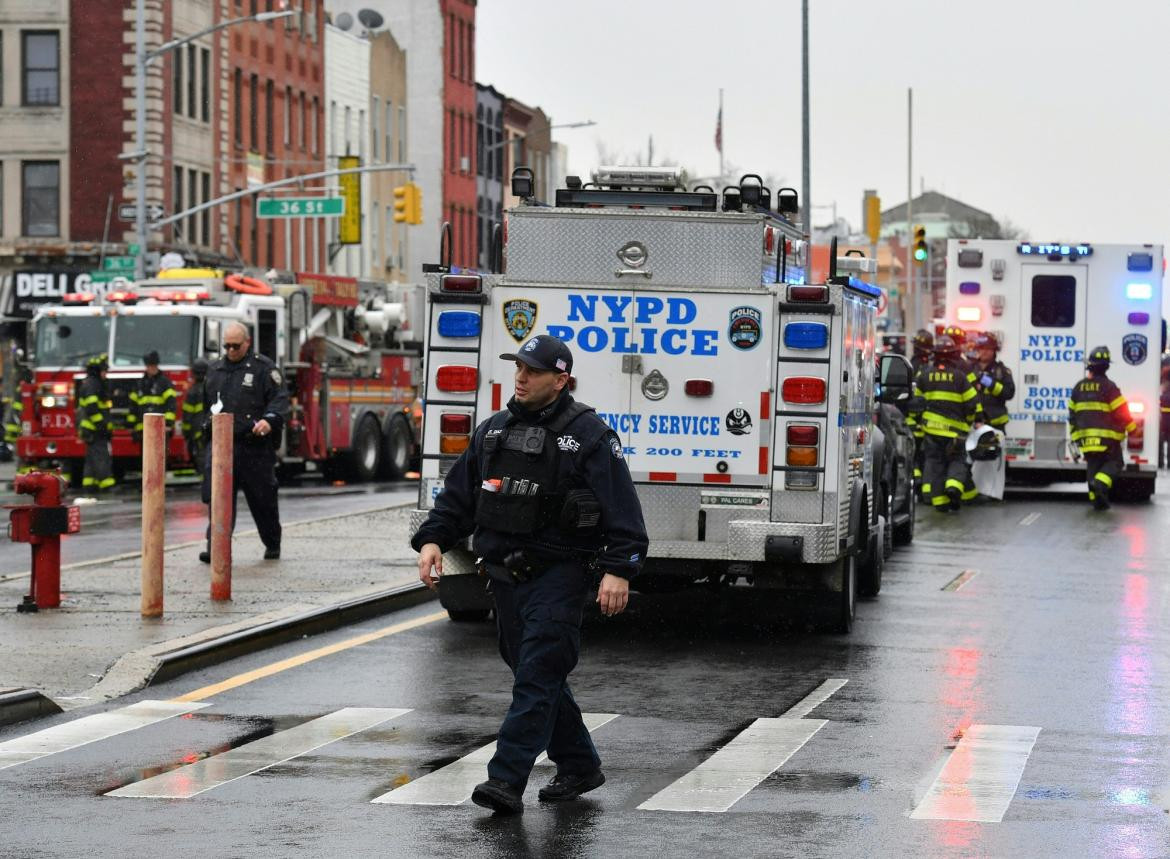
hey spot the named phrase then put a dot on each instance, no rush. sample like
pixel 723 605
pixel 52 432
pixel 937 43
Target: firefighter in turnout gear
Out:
pixel 194 406
pixel 1099 418
pixel 1164 424
pixel 993 380
pixel 950 405
pixel 967 363
pixel 545 488
pixel 93 405
pixel 923 344
pixel 154 393
pixel 248 386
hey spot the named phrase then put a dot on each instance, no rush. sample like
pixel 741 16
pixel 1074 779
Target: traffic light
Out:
pixel 920 250
pixel 408 204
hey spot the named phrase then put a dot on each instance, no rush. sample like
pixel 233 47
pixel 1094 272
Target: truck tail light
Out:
pixel 453 443
pixel 801 456
pixel 969 314
pixel 469 283
pixel 455 378
pixel 809 294
pixel 802 441
pixel 699 387
pixel 801 434
pixel 1137 438
pixel 454 423
pixel 803 390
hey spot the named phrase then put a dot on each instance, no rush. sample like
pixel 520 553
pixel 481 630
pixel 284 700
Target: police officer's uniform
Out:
pixel 194 406
pixel 152 394
pixel 93 404
pixel 1099 418
pixel 550 499
pixel 251 389
pixel 949 406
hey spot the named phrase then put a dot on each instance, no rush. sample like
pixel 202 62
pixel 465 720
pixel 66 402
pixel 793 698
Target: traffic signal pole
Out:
pixel 911 294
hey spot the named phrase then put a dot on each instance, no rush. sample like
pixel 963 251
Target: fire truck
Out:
pixel 1049 305
pixel 743 396
pixel 349 353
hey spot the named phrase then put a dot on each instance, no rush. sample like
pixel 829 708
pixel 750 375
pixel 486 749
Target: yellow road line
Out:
pixel 294 661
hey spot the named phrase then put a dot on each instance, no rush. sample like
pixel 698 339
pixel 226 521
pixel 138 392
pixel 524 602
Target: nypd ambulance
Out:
pixel 1049 305
pixel 743 396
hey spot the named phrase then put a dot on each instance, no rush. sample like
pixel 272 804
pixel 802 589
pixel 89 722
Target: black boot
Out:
pixel 499 796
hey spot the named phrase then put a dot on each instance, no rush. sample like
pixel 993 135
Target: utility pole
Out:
pixel 140 137
pixel 804 191
pixel 911 292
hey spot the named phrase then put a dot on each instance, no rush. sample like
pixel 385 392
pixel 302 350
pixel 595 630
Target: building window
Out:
pixel 345 129
pixel 333 126
pixel 192 201
pixel 254 115
pixel 269 106
pixel 177 201
pixel 288 116
pixel 238 88
pixel 205 215
pixel 177 83
pixel 451 45
pixel 304 122
pixel 402 135
pixel 479 131
pixel 42 68
pixel 315 116
pixel 375 103
pixel 361 135
pixel 205 85
pixel 388 149
pixel 1 77
pixel 41 199
pixel 239 222
pixel 192 79
pixel 451 165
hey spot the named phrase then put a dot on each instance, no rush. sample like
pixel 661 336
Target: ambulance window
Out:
pixel 1054 301
pixel 266 334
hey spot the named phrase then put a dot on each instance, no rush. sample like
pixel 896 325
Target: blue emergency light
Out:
pixel 458 323
pixel 806 335
pixel 969 287
pixel 1138 318
pixel 1140 262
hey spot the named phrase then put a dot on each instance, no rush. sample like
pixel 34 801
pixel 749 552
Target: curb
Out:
pixel 324 619
pixel 19 705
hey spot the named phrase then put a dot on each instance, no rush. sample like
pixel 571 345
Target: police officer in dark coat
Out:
pixel 250 387
pixel 547 493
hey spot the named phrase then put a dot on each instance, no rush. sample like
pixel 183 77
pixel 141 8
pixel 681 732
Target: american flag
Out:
pixel 719 131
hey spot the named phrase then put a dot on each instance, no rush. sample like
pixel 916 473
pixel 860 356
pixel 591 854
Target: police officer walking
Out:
pixel 251 388
pixel 993 380
pixel 545 488
pixel 194 405
pixel 154 393
pixel 1099 417
pixel 950 405
pixel 93 403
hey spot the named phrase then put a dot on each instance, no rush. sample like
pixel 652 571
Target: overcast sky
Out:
pixel 1052 113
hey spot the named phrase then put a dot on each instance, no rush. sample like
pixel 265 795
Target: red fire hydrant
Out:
pixel 42 525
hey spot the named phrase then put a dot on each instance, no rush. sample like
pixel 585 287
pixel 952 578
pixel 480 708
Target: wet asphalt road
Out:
pixel 1037 615
pixel 112 524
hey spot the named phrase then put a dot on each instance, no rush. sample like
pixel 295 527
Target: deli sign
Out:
pixel 26 290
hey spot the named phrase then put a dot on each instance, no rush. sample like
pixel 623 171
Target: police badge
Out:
pixel 519 317
pixel 744 330
pixel 1134 348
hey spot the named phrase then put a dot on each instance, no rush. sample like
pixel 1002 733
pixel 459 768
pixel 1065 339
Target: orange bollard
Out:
pixel 222 493
pixel 154 476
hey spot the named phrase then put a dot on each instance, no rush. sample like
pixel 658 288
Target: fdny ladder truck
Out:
pixel 743 396
pixel 1049 305
pixel 347 349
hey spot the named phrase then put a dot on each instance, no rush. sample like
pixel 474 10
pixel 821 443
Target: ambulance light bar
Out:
pixel 638 177
pixel 77 298
pixel 122 297
pixel 1139 291
pixel 1054 250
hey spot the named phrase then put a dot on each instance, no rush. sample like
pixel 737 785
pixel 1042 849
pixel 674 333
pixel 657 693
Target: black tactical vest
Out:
pixel 520 493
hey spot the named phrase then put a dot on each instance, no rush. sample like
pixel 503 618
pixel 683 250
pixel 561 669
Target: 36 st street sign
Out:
pixel 300 207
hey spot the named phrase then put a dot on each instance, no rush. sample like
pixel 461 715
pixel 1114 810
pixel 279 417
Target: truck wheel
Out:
pixel 869 577
pixel 468 615
pixel 363 458
pixel 888 532
pixel 904 533
pixel 846 601
pixel 396 450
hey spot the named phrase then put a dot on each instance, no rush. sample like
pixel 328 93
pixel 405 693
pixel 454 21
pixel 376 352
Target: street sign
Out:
pixel 126 212
pixel 113 278
pixel 300 207
pixel 118 264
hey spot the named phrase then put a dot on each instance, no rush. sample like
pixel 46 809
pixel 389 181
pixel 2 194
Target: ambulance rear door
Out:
pixel 1052 351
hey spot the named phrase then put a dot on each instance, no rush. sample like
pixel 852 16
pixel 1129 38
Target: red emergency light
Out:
pixel 122 297
pixel 469 283
pixel 456 378
pixel 803 390
pixel 77 298
pixel 699 387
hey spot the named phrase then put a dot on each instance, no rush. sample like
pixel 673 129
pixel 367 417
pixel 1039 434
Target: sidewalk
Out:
pixel 97 646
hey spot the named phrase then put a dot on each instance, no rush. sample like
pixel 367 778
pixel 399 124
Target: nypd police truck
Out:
pixel 742 396
pixel 1049 305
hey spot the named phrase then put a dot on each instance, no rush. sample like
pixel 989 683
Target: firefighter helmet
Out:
pixel 955 333
pixel 945 347
pixel 199 367
pixel 98 361
pixel 983 340
pixel 1099 358
pixel 923 341
pixel 983 444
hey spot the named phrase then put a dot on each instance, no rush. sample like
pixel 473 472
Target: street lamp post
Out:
pixel 142 59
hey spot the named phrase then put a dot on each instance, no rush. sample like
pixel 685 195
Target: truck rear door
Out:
pixel 1052 348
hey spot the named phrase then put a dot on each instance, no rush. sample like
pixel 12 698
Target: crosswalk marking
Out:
pixel 727 776
pixel 261 754
pixel 814 698
pixel 89 729
pixel 981 775
pixel 453 784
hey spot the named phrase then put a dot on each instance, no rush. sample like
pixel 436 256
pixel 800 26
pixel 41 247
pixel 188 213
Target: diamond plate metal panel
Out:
pixel 804 507
pixel 684 248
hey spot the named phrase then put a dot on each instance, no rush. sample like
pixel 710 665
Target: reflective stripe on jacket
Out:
pixel 1098 414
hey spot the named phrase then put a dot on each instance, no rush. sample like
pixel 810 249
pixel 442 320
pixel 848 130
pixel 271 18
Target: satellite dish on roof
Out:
pixel 344 21
pixel 370 19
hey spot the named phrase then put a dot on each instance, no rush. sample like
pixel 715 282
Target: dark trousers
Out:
pixel 539 626
pixel 254 471
pixel 945 467
pixel 98 469
pixel 1101 469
